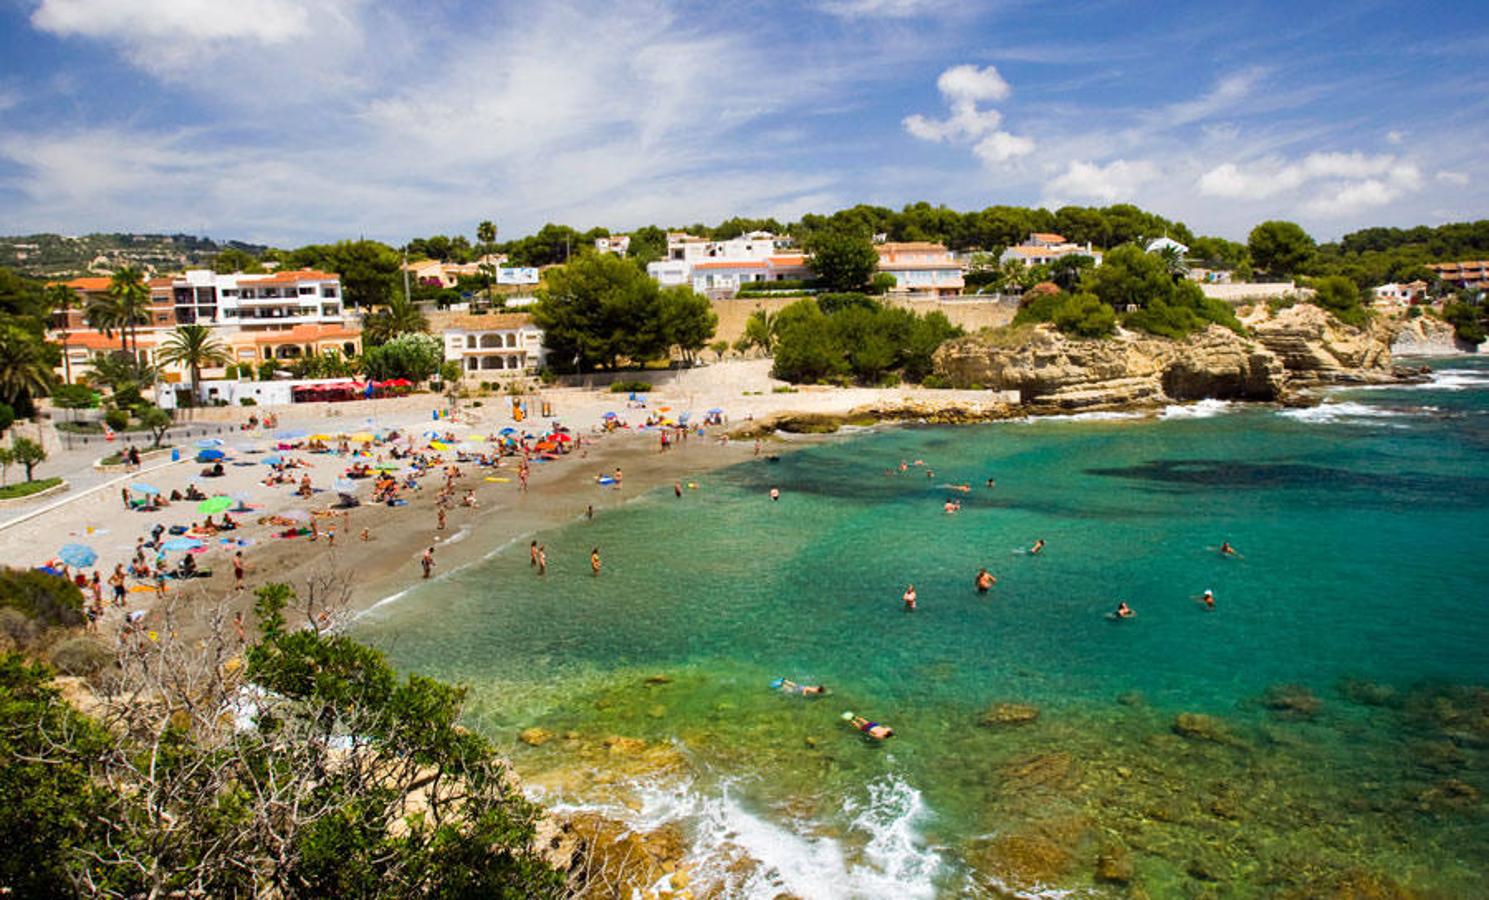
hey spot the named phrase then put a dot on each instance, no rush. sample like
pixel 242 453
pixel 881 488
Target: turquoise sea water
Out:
pixel 1363 532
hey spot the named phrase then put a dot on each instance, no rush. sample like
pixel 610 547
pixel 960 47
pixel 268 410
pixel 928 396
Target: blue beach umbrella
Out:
pixel 271 460
pixel 207 443
pixel 78 555
pixel 290 435
pixel 139 487
pixel 210 455
pixel 610 415
pixel 507 431
pixel 181 543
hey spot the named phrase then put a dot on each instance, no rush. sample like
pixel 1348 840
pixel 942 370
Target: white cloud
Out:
pixel 1328 184
pixel 1227 93
pixel 1395 137
pixel 1000 147
pixel 1116 181
pixel 884 9
pixel 1458 179
pixel 261 21
pixel 970 84
pixel 963 88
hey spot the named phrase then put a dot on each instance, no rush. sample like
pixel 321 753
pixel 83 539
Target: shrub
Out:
pixel 20 628
pixel 7 416
pixel 1084 316
pixel 937 382
pixel 625 387
pixel 47 599
pixel 889 380
pixel 80 655
pixel 117 419
pixel 1340 296
pixel 230 372
pixel 1466 322
pixel 547 375
pixel 74 396
pixel 248 401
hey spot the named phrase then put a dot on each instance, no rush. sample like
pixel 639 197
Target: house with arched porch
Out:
pixel 492 346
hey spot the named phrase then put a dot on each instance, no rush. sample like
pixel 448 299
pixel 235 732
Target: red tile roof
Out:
pixel 740 264
pixel 89 284
pixel 93 340
pixel 1049 237
pixel 302 333
pixel 291 277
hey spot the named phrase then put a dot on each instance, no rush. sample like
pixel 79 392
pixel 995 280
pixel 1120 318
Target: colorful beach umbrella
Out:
pixel 214 504
pixel 610 415
pixel 139 487
pixel 438 445
pixel 78 555
pixel 181 543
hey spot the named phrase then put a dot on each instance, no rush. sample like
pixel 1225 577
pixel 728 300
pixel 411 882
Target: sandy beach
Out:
pixel 389 561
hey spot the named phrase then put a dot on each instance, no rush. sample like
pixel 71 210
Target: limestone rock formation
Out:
pixel 1300 346
pixel 1427 336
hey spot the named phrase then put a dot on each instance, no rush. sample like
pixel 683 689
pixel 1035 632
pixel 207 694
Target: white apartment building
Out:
pixel 1043 248
pixel 720 268
pixel 493 345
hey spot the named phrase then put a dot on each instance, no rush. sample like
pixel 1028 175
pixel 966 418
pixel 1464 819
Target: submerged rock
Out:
pixel 1291 701
pixel 1009 714
pixel 1200 727
pixel 1367 693
pixel 535 737
pixel 1450 793
pixel 658 679
pixel 624 745
pixel 1114 866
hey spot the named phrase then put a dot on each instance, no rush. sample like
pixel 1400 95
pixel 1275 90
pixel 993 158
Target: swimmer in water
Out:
pixel 872 729
pixel 1038 546
pixel 985 580
pixel 1208 598
pixel 991 483
pixel 807 690
pixel 775 493
pixel 952 506
pixel 910 598
pixel 1124 611
pixel 1227 550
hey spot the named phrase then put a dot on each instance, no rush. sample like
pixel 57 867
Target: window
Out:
pixel 470 342
pixel 306 290
pixel 328 290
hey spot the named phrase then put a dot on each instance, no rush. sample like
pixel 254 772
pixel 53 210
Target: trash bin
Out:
pixel 175 454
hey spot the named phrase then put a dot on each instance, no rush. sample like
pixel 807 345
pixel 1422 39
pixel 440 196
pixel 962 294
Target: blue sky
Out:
pixel 289 121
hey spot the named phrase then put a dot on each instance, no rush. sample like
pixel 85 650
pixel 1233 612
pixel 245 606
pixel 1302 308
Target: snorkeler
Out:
pixel 985 580
pixel 1208 598
pixel 1123 611
pixel 790 687
pixel 1038 546
pixel 1227 550
pixel 872 729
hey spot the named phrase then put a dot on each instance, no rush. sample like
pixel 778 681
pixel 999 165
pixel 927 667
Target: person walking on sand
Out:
pixel 428 562
pixel 441 518
pixel 542 559
pixel 594 561
pixel 910 598
pixel 239 566
pixel 589 512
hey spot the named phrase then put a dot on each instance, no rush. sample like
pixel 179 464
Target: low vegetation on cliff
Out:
pixel 850 337
pixel 297 765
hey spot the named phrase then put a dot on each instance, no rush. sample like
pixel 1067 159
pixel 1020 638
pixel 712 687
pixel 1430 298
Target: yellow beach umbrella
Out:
pixel 438 445
pixel 321 437
pixel 363 437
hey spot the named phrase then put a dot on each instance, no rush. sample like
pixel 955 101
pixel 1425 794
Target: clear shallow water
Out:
pixel 1362 524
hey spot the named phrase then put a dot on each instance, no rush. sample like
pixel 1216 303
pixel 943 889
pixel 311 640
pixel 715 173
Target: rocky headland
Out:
pixel 1300 347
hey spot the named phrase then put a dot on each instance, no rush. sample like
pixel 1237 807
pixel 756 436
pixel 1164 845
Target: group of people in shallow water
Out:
pixel 864 726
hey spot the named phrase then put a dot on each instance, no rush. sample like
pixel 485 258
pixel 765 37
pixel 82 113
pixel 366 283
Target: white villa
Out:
pixel 619 244
pixel 493 345
pixel 1394 296
pixel 720 268
pixel 1043 248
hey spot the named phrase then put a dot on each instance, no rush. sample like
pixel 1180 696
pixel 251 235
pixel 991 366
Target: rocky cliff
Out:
pixel 1426 336
pixel 1300 346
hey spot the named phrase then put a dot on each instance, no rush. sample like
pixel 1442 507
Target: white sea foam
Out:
pixel 889 860
pixel 1330 412
pixel 1457 380
pixel 1204 409
pixel 1097 416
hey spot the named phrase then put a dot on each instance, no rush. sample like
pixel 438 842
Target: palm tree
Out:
pixel 193 346
pixel 128 288
pixel 24 370
pixel 1173 260
pixel 486 234
pixel 116 372
pixel 399 316
pixel 61 298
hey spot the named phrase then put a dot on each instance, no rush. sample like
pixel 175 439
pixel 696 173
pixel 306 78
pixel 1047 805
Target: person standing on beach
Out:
pixel 542 559
pixel 239 566
pixel 589 512
pixel 594 561
pixel 239 628
pixel 677 489
pixel 124 493
pixel 96 585
pixel 116 581
pixel 428 562
pixel 441 518
pixel 532 555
